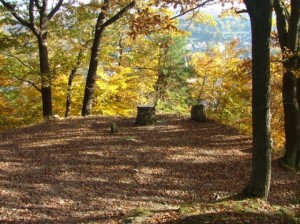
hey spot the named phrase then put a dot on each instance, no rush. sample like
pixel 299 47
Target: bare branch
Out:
pixel 29 82
pixel 145 68
pixel 31 18
pixel 31 10
pixel 118 15
pixel 55 9
pixel 79 58
pixel 43 10
pixel 241 11
pixel 12 10
pixel 18 59
pixel 38 5
pixel 192 9
pixel 282 23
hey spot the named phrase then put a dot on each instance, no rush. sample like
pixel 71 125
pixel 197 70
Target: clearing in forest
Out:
pixel 76 171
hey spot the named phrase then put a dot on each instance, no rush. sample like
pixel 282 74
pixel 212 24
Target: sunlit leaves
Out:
pixel 150 20
pixel 224 83
pixel 116 94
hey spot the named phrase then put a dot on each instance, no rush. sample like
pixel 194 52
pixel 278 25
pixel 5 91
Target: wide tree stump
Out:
pixel 145 115
pixel 198 113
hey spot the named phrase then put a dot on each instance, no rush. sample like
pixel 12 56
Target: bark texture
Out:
pixel 288 32
pixel 260 15
pixel 145 115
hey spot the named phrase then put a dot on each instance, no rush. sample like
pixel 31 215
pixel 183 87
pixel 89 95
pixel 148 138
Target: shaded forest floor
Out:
pixel 177 171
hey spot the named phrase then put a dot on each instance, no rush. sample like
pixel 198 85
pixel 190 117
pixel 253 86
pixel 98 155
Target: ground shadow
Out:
pixel 75 170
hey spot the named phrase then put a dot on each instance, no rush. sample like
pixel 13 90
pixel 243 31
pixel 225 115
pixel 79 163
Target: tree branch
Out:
pixel 38 5
pixel 79 58
pixel 30 82
pixel 15 14
pixel 241 11
pixel 294 24
pixel 145 68
pixel 18 59
pixel 119 14
pixel 101 16
pixel 282 23
pixel 192 9
pixel 31 18
pixel 31 12
pixel 55 9
pixel 43 11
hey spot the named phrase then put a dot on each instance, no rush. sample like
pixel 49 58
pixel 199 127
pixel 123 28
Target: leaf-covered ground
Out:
pixel 76 171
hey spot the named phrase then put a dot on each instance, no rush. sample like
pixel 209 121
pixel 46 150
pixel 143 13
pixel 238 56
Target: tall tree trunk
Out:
pixel 91 76
pixel 159 87
pixel 288 27
pixel 46 88
pixel 69 95
pixel 260 12
pixel 37 14
pixel 70 81
pixel 298 100
pixel 99 29
pixel 297 165
pixel 289 94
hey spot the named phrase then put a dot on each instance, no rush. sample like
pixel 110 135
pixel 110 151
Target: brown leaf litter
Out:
pixel 76 171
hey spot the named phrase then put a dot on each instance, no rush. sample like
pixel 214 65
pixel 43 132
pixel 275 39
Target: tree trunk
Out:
pixel 260 14
pixel 289 93
pixel 99 29
pixel 46 88
pixel 297 165
pixel 69 96
pixel 37 10
pixel 298 100
pixel 288 32
pixel 70 82
pixel 159 87
pixel 91 76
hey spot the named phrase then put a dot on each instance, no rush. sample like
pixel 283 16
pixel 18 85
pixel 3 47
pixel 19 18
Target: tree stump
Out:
pixel 145 115
pixel 113 128
pixel 198 113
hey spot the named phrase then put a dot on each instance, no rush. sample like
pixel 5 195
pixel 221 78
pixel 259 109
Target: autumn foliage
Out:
pixel 143 60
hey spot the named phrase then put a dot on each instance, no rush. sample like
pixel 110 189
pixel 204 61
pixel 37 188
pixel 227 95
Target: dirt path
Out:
pixel 75 171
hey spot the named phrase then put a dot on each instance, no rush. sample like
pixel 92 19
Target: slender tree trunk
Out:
pixel 69 95
pixel 159 87
pixel 92 72
pixel 46 88
pixel 121 49
pixel 260 12
pixel 99 29
pixel 160 84
pixel 70 83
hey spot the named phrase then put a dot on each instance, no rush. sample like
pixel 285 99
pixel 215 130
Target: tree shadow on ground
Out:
pixel 235 217
pixel 69 170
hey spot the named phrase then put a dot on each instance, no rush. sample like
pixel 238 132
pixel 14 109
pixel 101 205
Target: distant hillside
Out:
pixel 227 29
